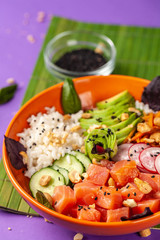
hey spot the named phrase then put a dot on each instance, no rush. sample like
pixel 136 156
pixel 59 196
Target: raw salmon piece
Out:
pixel 116 214
pixel 124 171
pixel 85 192
pixel 97 174
pixel 73 211
pixel 109 198
pixel 153 204
pixel 63 199
pixel 89 214
pixel 132 192
pixel 103 212
pixel 156 178
pixel 149 178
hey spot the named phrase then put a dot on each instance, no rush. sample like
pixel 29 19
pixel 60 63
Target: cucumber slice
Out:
pixel 83 159
pixel 70 162
pixel 64 172
pixel 56 180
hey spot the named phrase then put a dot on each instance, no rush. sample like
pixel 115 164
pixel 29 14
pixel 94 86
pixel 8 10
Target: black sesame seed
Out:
pixel 57 127
pixel 58 120
pixel 128 160
pixel 89 208
pixel 135 193
pixel 59 178
pixel 22 138
pixel 127 186
pixel 96 198
pixel 40 133
pixel 42 122
pixel 36 128
pixel 30 137
pixel 55 203
pixel 30 147
pixel 34 144
pixel 102 128
pixel 116 189
pixel 101 188
pixel 142 148
pixel 131 155
pixel 103 137
pixel 34 120
pixel 153 176
pixel 85 209
pixel 118 129
pixel 135 151
pixel 52 118
pixel 118 119
pixel 128 194
pixel 64 128
pixel 104 193
pixel 151 155
pixel 113 117
pixel 108 193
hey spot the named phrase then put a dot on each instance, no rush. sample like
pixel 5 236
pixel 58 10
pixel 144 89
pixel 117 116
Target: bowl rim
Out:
pixel 41 207
pixel 54 67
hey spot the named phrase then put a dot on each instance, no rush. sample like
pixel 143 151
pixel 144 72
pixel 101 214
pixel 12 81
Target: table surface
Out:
pixel 17 60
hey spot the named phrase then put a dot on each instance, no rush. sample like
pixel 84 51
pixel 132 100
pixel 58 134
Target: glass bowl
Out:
pixel 74 40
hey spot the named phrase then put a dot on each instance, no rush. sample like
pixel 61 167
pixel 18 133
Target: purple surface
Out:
pixel 18 58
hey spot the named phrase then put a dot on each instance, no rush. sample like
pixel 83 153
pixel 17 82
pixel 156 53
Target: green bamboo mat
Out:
pixel 137 55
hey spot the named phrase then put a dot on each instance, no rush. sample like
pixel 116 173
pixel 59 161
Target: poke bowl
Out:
pixel 91 89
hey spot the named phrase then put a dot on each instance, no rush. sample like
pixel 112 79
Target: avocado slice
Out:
pixel 101 143
pixel 121 98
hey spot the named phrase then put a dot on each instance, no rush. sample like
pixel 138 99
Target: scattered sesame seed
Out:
pixel 59 178
pixel 131 155
pixel 151 155
pixel 118 129
pixel 104 193
pixel 57 127
pixel 153 176
pixel 96 198
pixel 116 189
pixel 55 203
pixel 108 193
pixel 135 193
pixel 101 188
pixel 128 194
pixel 127 186
pixel 42 122
pixel 113 117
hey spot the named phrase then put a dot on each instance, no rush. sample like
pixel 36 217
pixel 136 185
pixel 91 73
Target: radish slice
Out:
pixel 122 153
pixel 147 158
pixel 142 169
pixel 157 163
pixel 135 150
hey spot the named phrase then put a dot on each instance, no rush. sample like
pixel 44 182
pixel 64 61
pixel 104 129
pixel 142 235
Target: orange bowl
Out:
pixel 98 88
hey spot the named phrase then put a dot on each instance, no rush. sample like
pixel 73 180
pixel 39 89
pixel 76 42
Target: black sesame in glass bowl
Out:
pixel 80 53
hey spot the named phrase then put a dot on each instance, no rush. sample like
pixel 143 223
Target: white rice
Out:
pixel 42 149
pixel 143 107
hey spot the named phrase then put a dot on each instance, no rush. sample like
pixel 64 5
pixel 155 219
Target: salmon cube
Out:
pixel 108 198
pixel 124 171
pixel 116 214
pixel 89 214
pixel 153 204
pixel 85 192
pixel 103 212
pixel 63 199
pixel 97 175
pixel 132 192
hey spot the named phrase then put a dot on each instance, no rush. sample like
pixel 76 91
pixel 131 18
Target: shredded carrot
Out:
pixel 136 136
pixel 128 138
pixel 157 114
pixel 150 120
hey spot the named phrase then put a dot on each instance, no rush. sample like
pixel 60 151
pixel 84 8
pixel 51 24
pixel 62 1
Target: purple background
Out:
pixel 18 58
